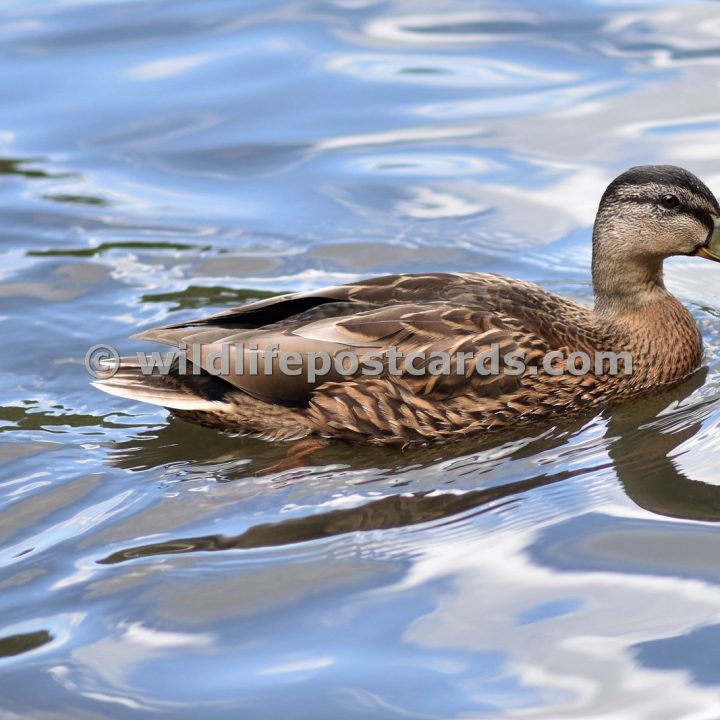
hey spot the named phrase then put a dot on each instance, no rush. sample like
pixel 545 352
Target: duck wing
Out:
pixel 430 347
pixel 461 316
pixel 344 300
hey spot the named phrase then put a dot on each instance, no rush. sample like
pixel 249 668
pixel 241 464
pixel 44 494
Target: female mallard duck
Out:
pixel 646 215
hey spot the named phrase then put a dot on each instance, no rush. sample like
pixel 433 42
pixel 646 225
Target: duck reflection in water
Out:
pixel 639 443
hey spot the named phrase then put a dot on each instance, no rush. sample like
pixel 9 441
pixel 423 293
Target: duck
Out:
pixel 646 214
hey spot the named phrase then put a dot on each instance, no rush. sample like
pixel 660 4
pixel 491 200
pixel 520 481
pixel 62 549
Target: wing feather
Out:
pixel 461 315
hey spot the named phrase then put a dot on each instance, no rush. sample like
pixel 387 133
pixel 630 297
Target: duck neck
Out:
pixel 624 284
pixel 643 318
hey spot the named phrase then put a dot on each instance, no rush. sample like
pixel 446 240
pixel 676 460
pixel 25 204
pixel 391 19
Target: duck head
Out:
pixel 647 214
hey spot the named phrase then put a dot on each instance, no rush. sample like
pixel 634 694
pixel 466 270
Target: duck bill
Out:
pixel 711 249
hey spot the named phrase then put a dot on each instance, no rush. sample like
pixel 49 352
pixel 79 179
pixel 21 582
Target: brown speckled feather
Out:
pixel 448 312
pixel 456 313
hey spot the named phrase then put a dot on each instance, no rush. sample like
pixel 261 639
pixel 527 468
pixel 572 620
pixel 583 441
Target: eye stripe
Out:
pixel 699 214
pixel 659 177
pixel 703 216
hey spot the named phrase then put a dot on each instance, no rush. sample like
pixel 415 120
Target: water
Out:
pixel 165 159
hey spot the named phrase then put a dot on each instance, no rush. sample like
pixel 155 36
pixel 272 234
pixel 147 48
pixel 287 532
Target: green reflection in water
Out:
pixel 424 71
pixel 25 642
pixel 28 418
pixel 195 296
pixel 121 245
pixel 14 166
pixel 77 199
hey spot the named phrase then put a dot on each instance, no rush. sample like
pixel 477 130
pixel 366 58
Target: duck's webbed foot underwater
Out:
pixel 297 456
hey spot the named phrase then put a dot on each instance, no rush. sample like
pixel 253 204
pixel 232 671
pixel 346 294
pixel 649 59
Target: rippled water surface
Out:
pixel 159 159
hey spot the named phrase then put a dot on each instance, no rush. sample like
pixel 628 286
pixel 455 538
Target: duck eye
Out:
pixel 669 201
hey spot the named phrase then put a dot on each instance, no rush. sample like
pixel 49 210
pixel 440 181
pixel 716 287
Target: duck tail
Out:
pixel 170 390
